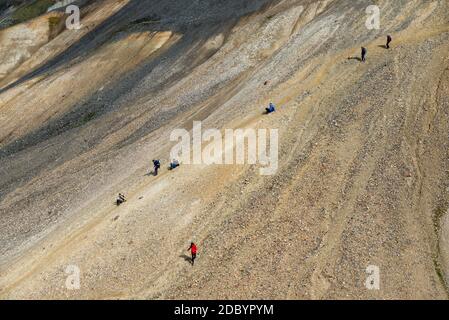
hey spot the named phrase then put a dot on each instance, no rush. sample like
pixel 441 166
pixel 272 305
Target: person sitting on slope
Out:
pixel 120 199
pixel 174 164
pixel 271 108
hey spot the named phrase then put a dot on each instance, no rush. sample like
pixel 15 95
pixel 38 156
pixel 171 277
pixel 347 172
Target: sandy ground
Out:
pixel 363 174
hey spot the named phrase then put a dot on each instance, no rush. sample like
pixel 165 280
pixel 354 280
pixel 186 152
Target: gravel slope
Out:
pixel 363 176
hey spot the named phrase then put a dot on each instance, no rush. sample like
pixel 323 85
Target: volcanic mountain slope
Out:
pixel 363 175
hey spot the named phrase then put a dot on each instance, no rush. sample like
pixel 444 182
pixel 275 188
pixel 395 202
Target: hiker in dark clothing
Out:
pixel 388 42
pixel 156 165
pixel 193 250
pixel 364 51
pixel 120 199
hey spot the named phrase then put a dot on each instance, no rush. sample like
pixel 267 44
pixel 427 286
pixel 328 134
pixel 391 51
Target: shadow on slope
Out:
pixel 136 16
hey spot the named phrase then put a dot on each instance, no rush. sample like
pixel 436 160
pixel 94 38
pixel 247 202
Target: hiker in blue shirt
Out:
pixel 174 164
pixel 271 108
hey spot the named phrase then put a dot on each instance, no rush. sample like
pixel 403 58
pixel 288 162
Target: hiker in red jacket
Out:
pixel 192 248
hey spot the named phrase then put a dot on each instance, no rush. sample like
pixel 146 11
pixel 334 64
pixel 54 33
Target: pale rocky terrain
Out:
pixel 363 175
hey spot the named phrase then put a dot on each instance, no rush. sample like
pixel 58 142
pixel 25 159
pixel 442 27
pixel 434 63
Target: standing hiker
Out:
pixel 364 51
pixel 192 249
pixel 389 39
pixel 156 165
